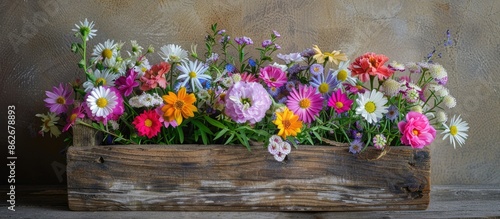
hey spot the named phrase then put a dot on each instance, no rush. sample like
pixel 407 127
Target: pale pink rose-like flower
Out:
pixel 416 130
pixel 247 102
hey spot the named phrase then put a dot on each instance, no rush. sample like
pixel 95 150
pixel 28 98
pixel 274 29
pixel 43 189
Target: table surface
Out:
pixel 447 201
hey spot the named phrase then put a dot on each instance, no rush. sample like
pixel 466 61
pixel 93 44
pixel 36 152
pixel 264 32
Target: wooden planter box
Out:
pixel 230 178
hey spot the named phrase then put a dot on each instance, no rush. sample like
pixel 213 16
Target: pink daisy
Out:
pixel 248 77
pixel 340 102
pixel 273 76
pixel 76 113
pixel 147 123
pixel 305 102
pixel 59 99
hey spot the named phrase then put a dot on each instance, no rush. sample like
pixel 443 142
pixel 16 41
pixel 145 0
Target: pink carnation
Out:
pixel 416 130
pixel 155 77
pixel 247 102
pixel 371 64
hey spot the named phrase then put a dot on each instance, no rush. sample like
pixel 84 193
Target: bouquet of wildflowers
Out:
pixel 223 96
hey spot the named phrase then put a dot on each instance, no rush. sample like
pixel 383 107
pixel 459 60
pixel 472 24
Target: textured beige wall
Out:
pixel 36 36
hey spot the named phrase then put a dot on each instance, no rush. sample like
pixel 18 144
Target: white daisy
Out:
pixel 104 51
pixel 85 29
pixel 192 72
pixel 371 105
pixel 141 66
pixel 105 78
pixel 102 101
pixel 116 65
pixel 456 131
pixel 49 122
pixel 136 48
pixel 343 74
pixel 173 53
pixel 282 67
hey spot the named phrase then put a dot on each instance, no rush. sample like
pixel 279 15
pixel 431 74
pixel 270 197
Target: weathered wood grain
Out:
pixel 218 177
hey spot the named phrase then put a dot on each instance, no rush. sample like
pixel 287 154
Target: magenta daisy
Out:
pixel 305 102
pixel 58 100
pixel 76 113
pixel 340 102
pixel 273 76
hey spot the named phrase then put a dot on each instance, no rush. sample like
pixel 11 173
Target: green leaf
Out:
pixel 230 138
pixel 201 126
pixel 317 135
pixel 74 48
pixel 221 133
pixel 181 135
pixel 214 122
pixel 96 126
pixel 81 64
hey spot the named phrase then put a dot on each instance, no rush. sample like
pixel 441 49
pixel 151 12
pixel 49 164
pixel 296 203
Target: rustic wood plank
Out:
pixel 217 177
pixel 447 201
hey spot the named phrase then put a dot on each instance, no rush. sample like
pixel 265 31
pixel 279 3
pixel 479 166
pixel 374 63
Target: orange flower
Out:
pixel 288 123
pixel 179 106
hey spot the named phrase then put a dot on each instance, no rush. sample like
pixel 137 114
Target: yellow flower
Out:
pixel 288 123
pixel 178 106
pixel 335 56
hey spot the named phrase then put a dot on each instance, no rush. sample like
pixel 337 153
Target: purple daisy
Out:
pixel 59 98
pixel 305 102
pixel 356 146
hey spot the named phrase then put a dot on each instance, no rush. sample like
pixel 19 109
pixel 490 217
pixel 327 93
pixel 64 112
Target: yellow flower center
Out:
pixel 305 103
pixel 370 107
pixel 148 123
pixel 273 79
pixel 101 102
pixel 342 75
pixel 61 100
pixel 286 124
pixel 416 132
pixel 192 74
pixel 72 118
pixel 373 61
pixel 316 69
pixel 453 130
pixel 339 104
pixel 100 81
pixel 359 87
pixel 144 69
pixel 179 104
pixel 107 53
pixel 323 88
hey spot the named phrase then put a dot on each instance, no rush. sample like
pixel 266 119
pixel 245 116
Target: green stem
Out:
pixel 105 131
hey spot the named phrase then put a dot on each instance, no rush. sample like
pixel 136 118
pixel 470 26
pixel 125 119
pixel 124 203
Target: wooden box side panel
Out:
pixel 217 177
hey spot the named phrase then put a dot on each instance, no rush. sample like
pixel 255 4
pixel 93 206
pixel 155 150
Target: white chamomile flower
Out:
pixel 456 131
pixel 141 67
pixel 173 53
pixel 102 101
pixel 443 92
pixel 105 78
pixel 371 105
pixel 343 74
pixel 101 52
pixel 136 48
pixel 85 29
pixel 192 72
pixel 116 65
